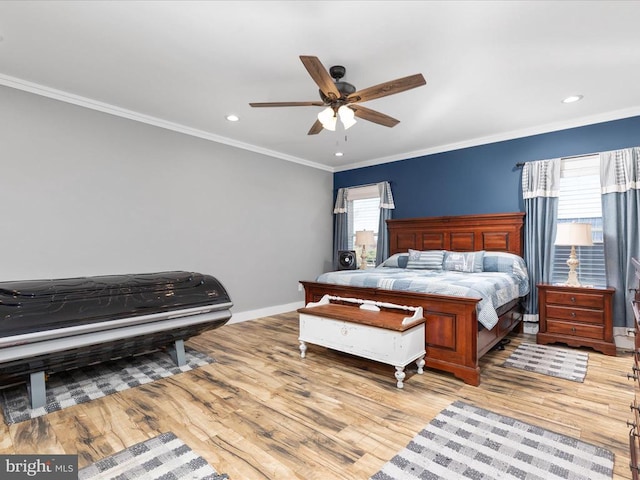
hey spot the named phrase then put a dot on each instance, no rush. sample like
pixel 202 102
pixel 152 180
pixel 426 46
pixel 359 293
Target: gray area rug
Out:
pixel 81 385
pixel 163 457
pixel 468 442
pixel 553 361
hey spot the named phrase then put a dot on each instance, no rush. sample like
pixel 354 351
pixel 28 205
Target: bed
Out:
pixel 455 339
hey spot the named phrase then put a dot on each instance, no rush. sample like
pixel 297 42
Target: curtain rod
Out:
pixel 521 164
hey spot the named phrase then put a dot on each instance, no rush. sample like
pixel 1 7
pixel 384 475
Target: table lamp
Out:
pixel 364 238
pixel 574 234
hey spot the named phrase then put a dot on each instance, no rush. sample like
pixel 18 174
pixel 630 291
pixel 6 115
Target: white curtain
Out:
pixel 341 201
pixel 386 206
pixel 540 191
pixel 620 180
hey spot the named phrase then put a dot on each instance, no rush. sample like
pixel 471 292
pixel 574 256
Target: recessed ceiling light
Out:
pixel 233 118
pixel 338 154
pixel 572 99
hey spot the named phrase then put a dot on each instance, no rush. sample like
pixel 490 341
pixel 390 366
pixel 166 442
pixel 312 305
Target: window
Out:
pixel 363 207
pixel 580 201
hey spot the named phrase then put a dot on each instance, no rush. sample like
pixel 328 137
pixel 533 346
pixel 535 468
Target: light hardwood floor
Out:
pixel 262 412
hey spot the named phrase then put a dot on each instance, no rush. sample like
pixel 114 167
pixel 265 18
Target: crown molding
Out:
pixel 60 95
pixel 502 137
pixel 85 102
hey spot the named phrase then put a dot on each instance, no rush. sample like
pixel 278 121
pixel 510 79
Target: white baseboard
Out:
pixel 237 317
pixel 623 340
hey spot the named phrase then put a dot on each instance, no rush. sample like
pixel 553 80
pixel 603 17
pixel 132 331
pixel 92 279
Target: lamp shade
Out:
pixel 328 119
pixel 347 116
pixel 574 234
pixel 364 237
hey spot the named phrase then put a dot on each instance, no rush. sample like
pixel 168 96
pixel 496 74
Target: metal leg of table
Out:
pixel 37 390
pixel 177 353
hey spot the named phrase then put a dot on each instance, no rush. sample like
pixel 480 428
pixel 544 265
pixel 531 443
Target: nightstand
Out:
pixel 577 316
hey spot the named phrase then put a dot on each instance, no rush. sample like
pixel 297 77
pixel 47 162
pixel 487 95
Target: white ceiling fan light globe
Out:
pixel 328 119
pixel 347 116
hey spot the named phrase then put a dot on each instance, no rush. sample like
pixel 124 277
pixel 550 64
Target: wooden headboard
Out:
pixel 464 233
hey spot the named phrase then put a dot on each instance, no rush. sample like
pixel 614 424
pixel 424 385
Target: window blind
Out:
pixel 580 201
pixel 363 212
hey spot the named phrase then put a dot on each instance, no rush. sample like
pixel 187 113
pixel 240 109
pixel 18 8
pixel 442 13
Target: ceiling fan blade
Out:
pixel 387 88
pixel 287 104
pixel 315 128
pixel 373 116
pixel 320 76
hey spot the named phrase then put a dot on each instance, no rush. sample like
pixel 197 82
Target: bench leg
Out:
pixel 420 364
pixel 303 349
pixel 400 376
pixel 37 390
pixel 177 353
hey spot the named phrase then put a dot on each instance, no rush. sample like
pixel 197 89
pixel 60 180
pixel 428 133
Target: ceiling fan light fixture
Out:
pixel 328 119
pixel 336 96
pixel 347 116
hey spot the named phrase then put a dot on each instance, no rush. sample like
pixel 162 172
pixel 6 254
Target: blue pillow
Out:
pixel 427 260
pixel 500 261
pixel 507 263
pixel 398 260
pixel 469 262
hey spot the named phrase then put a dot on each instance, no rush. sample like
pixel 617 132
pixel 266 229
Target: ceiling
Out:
pixel 494 70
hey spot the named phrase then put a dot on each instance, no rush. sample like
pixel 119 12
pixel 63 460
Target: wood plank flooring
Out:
pixel 262 412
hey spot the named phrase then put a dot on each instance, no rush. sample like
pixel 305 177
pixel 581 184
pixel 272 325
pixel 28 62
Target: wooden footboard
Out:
pixel 451 334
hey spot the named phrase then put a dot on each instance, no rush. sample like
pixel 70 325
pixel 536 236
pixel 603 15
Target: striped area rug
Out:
pixel 66 389
pixel 553 361
pixel 467 442
pixel 163 457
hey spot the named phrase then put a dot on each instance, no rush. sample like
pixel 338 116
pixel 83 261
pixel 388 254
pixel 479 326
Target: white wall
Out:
pixel 87 193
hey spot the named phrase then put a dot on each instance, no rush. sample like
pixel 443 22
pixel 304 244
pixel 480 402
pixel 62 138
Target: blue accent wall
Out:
pixel 483 179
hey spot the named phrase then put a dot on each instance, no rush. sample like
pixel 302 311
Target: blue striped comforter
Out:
pixel 494 289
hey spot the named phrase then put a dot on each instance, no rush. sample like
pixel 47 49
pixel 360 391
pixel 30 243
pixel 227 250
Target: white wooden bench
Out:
pixel 386 333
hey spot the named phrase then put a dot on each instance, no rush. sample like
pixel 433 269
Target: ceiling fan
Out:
pixel 341 98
